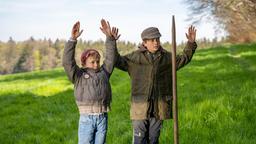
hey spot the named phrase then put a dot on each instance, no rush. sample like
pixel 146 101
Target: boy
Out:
pixel 150 70
pixel 91 84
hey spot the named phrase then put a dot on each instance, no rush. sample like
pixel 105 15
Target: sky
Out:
pixel 21 19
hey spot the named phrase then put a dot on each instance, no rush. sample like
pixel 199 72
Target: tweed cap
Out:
pixel 150 33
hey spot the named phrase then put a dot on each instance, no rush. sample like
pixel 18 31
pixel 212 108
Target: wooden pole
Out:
pixel 174 85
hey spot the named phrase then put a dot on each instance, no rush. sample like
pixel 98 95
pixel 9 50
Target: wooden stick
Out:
pixel 174 85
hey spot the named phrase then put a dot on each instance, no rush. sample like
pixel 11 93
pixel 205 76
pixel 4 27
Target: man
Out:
pixel 150 70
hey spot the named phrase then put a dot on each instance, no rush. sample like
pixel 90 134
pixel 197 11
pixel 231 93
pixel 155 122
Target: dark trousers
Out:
pixel 146 131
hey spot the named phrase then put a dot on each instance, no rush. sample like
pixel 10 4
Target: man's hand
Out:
pixel 191 35
pixel 76 31
pixel 106 29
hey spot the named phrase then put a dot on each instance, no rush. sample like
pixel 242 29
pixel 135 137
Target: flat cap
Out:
pixel 150 33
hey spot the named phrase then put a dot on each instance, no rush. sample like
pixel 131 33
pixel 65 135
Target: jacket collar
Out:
pixel 89 70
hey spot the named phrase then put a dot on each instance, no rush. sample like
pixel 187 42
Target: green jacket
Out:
pixel 152 75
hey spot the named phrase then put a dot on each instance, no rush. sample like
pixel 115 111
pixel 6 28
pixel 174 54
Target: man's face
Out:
pixel 93 63
pixel 152 44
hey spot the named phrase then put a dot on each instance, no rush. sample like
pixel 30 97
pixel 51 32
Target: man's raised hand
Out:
pixel 191 35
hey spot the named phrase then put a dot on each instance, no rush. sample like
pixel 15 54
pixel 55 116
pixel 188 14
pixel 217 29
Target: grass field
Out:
pixel 217 97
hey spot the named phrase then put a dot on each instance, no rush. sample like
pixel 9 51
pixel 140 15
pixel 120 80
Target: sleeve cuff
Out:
pixel 72 40
pixel 192 45
pixel 111 38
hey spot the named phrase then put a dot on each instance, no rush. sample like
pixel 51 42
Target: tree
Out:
pixel 26 61
pixel 58 54
pixel 236 17
pixel 9 56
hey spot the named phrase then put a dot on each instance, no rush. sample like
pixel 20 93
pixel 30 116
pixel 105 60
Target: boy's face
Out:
pixel 92 62
pixel 152 44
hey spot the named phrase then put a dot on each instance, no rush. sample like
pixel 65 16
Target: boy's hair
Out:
pixel 87 53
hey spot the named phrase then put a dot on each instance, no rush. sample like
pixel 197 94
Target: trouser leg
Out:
pixel 101 132
pixel 140 131
pixel 155 126
pixel 146 131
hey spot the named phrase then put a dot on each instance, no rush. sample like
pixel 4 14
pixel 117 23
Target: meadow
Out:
pixel 216 101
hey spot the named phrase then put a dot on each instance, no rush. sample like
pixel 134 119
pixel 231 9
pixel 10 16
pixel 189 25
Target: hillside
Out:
pixel 216 93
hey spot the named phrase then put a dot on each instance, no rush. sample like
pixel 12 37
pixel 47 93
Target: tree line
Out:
pixel 44 54
pixel 31 54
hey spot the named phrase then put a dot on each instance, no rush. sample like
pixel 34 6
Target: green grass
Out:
pixel 216 93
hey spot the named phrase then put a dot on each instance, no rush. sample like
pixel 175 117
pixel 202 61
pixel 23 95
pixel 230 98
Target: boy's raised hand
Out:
pixel 76 31
pixel 106 29
pixel 115 33
pixel 191 35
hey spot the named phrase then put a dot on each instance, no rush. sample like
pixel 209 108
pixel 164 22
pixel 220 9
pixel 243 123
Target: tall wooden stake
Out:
pixel 174 85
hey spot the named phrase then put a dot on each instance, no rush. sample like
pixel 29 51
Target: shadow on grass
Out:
pixel 29 118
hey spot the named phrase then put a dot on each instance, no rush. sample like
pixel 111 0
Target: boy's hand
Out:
pixel 106 29
pixel 191 35
pixel 115 33
pixel 76 31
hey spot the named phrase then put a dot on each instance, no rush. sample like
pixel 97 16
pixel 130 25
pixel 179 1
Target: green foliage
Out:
pixel 216 103
pixel 36 56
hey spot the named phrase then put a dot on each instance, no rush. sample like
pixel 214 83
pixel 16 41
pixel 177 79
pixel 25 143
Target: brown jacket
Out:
pixel 149 76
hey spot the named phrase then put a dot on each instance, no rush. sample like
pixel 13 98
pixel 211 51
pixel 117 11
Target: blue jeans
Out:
pixel 92 129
